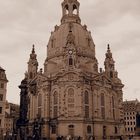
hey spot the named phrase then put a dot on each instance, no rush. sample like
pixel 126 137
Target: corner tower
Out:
pixel 32 64
pixel 109 64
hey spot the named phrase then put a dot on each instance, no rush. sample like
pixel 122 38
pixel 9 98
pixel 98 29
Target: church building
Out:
pixel 71 96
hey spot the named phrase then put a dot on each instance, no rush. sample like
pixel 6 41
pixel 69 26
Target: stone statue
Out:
pixel 23 121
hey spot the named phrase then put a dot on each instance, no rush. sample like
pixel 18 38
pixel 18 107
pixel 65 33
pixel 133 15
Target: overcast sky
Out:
pixel 27 22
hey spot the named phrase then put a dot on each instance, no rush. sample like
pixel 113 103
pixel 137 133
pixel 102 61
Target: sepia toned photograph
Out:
pixel 69 70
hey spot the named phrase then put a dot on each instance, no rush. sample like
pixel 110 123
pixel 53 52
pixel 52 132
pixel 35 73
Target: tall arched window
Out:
pixel 66 9
pixel 75 11
pixel 102 100
pixel 71 102
pixel 70 61
pixel 102 105
pixel 70 92
pixel 39 104
pixel 55 98
pixel 55 108
pixel 89 129
pixel 86 97
pixel 71 130
pixel 113 107
pixel 86 101
pixel 39 100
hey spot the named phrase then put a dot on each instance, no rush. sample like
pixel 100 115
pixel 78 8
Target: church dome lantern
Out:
pixel 70 10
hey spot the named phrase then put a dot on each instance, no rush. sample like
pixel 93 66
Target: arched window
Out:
pixel 71 101
pixel 66 9
pixel 39 104
pixel 55 107
pixel 70 92
pixel 86 97
pixel 39 100
pixel 102 100
pixel 75 11
pixel 89 129
pixel 102 105
pixel 113 107
pixel 71 130
pixel 53 129
pixel 70 61
pixel 55 98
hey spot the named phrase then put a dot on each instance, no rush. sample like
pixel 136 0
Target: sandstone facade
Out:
pixel 71 95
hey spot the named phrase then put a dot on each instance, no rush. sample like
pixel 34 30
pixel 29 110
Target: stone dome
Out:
pixel 70 43
pixel 82 39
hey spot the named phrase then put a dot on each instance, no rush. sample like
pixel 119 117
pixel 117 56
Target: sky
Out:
pixel 27 22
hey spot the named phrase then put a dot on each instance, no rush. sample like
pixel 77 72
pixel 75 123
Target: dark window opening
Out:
pixel 67 9
pixel 1 97
pixel 102 100
pixel 70 61
pixel 0 110
pixel 71 126
pixel 2 85
pixel 111 74
pixel 86 97
pixel 116 130
pixel 104 131
pixel 75 11
pixel 113 107
pixel 53 129
pixel 89 129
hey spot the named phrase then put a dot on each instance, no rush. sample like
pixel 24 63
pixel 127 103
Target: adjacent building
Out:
pixel 11 116
pixel 130 111
pixel 71 96
pixel 3 90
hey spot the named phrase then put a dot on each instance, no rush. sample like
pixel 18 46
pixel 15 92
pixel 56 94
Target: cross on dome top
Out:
pixel 70 10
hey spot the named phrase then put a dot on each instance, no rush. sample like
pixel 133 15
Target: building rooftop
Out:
pixel 1 68
pixel 131 101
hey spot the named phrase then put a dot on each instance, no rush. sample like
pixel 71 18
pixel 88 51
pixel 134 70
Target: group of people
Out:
pixel 68 138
